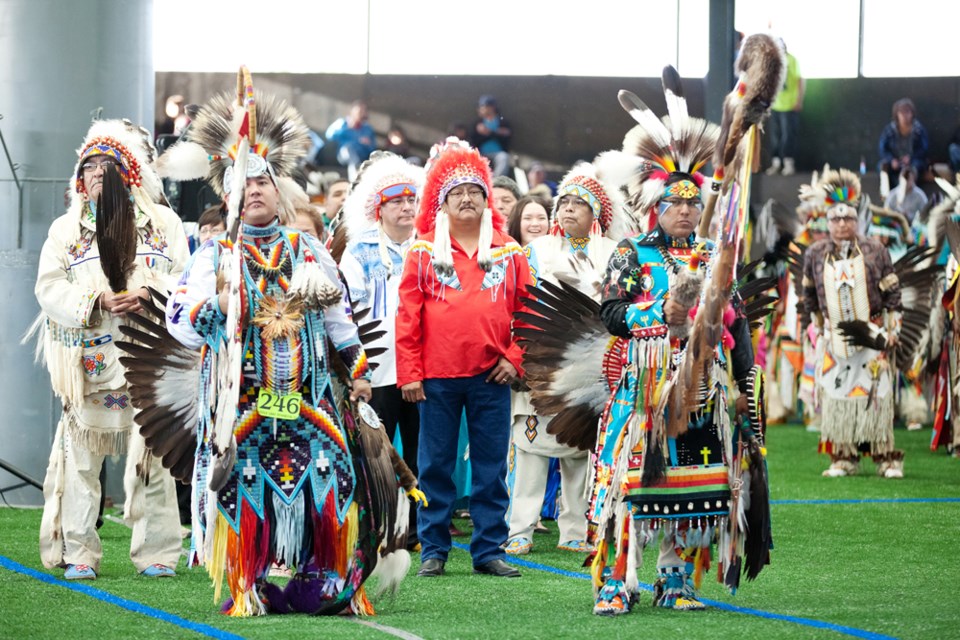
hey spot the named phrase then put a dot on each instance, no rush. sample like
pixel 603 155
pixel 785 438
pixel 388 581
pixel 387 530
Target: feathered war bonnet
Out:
pixel 668 147
pixel 276 134
pixel 132 148
pixel 453 163
pixel 386 177
pixel 587 182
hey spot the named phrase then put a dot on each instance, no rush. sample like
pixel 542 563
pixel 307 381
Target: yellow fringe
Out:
pixel 360 604
pixel 352 526
pixel 599 564
pixel 217 559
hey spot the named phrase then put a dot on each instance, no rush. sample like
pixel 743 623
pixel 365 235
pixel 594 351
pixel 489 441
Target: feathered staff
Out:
pixel 229 367
pixel 761 65
pixel 761 70
pixel 116 230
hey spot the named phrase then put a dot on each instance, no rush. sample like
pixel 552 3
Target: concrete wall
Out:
pixel 562 119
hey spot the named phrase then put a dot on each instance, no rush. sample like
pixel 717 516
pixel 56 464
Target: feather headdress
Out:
pixel 672 144
pixel 210 147
pixel 590 182
pixel 132 147
pixel 387 177
pixel 453 163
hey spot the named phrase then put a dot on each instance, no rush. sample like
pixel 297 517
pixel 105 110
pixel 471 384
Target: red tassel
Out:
pixel 326 533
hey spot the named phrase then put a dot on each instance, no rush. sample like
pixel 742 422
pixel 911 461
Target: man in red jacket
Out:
pixel 462 281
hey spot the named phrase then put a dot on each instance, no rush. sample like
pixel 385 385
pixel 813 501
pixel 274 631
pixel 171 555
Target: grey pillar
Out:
pixel 63 62
pixel 720 77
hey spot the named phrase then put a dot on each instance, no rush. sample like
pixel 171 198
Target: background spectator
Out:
pixel 903 141
pixel 354 136
pixel 505 195
pixel 530 219
pixel 491 135
pixel 785 119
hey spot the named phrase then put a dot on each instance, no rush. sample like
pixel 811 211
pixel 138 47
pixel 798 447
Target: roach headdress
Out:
pixel 676 143
pixel 277 137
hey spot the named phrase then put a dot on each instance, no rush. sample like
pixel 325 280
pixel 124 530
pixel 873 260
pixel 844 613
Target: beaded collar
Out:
pixel 250 231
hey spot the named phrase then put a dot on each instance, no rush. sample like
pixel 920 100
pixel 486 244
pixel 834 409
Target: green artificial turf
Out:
pixel 882 568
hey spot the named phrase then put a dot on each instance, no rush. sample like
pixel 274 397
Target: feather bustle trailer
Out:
pixel 565 359
pixel 158 370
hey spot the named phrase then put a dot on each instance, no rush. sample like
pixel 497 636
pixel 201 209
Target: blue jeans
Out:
pixel 784 129
pixel 488 427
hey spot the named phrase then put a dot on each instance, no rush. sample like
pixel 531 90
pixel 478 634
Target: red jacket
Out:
pixel 460 326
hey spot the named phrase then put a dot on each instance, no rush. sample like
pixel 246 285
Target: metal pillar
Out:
pixel 64 61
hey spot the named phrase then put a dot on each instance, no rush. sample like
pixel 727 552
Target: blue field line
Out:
pixel 129 605
pixel 866 501
pixel 723 606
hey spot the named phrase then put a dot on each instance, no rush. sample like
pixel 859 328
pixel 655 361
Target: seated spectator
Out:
pixel 903 142
pixel 354 136
pixel 491 135
pixel 505 195
pixel 907 198
pixel 530 219
pixel 953 149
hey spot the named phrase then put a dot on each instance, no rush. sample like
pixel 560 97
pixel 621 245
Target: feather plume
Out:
pixel 279 317
pixel 116 231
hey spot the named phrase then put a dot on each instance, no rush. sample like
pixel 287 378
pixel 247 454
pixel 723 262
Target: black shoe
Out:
pixel 431 568
pixel 497 568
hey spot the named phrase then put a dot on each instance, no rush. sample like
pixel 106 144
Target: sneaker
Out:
pixel 578 546
pixel 158 570
pixel 788 167
pixel 79 572
pixel 518 546
pixel 774 168
pixel 914 426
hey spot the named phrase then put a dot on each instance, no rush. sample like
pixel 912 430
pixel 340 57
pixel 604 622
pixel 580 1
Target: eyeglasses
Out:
pixel 571 200
pixel 849 219
pixel 91 166
pixel 696 203
pixel 459 194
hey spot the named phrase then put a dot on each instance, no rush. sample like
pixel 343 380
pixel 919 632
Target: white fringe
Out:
pixel 484 254
pixel 634 557
pixel 851 421
pixel 289 529
pixel 391 570
pixel 442 249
